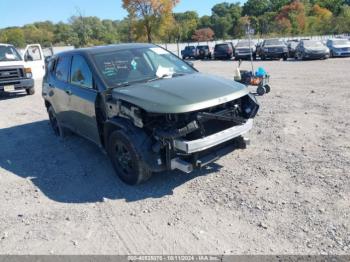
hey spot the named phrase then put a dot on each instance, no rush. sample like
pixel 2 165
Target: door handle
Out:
pixel 69 92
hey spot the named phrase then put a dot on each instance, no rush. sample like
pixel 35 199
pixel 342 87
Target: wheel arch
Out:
pixel 141 140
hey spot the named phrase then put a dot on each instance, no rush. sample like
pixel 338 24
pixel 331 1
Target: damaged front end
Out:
pixel 186 141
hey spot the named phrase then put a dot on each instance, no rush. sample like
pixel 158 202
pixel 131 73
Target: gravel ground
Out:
pixel 287 193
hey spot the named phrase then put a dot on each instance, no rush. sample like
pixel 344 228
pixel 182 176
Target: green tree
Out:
pixel 335 6
pixel 342 22
pixel 225 17
pixel 256 7
pixel 14 36
pixel 152 17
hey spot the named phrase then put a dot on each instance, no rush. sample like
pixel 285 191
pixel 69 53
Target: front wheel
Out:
pixel 285 57
pixel 30 91
pixel 126 160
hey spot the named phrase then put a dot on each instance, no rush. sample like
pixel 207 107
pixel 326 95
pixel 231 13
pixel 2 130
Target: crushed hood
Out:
pixel 181 94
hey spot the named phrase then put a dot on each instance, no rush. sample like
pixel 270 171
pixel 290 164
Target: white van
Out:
pixel 17 72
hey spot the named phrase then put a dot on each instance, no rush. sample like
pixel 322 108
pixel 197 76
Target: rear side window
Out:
pixel 62 68
pixel 81 74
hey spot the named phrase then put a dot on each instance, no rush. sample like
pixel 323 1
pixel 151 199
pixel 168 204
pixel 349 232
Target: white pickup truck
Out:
pixel 18 72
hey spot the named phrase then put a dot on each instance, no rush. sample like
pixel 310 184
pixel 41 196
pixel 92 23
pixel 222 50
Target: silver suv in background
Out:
pixel 339 47
pixel 244 48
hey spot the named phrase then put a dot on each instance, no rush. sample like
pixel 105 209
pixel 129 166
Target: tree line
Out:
pixel 155 21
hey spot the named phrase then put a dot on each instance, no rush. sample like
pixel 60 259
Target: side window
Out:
pixel 33 53
pixel 62 68
pixel 80 73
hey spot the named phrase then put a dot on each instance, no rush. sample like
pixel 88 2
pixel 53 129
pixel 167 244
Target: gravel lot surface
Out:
pixel 287 193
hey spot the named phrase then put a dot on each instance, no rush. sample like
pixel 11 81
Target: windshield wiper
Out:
pixel 123 84
pixel 166 76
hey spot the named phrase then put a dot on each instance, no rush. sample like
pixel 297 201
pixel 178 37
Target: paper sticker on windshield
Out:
pixel 159 51
pixel 134 64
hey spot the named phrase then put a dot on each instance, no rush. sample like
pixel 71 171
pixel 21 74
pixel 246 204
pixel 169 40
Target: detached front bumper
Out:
pixel 190 147
pixel 202 152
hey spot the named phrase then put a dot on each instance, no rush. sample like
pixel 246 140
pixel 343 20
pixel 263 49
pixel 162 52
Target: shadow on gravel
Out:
pixel 13 95
pixel 73 170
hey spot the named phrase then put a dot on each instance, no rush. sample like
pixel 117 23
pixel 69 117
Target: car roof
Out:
pixel 1 44
pixel 106 49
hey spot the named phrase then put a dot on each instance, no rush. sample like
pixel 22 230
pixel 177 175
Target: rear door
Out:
pixel 59 89
pixel 34 58
pixel 82 101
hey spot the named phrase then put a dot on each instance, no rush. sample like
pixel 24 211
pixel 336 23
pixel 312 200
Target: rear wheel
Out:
pixel 30 91
pixel 126 160
pixel 261 91
pixel 55 124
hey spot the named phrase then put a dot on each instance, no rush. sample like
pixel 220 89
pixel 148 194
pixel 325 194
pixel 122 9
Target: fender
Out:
pixel 143 142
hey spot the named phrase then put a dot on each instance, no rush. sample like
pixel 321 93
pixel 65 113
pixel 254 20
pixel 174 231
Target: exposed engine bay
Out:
pixel 179 140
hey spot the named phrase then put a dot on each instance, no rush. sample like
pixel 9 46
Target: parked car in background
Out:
pixel 16 72
pixel 147 108
pixel 188 52
pixel 258 47
pixel 203 52
pixel 311 49
pixel 339 47
pixel 223 51
pixel 244 49
pixel 292 46
pixel 273 49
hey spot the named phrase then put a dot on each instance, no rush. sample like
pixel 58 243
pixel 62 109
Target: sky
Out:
pixel 19 13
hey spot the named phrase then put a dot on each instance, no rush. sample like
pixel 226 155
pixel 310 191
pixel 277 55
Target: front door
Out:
pixel 82 101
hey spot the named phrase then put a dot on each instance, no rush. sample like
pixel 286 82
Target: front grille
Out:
pixel 275 49
pixel 11 73
pixel 243 50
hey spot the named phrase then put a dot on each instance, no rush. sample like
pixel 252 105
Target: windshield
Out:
pixel 204 47
pixel 223 47
pixel 244 44
pixel 139 65
pixel 341 42
pixel 313 44
pixel 273 42
pixel 9 53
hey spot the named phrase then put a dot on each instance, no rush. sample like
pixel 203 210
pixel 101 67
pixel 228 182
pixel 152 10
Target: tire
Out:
pixel 254 57
pixel 285 57
pixel 263 57
pixel 261 91
pixel 126 160
pixel 30 91
pixel 55 124
pixel 300 57
pixel 267 89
